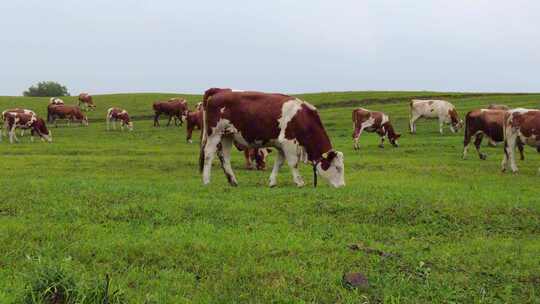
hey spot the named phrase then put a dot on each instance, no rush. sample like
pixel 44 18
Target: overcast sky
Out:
pixel 104 46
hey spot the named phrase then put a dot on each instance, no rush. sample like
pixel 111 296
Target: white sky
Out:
pixel 105 46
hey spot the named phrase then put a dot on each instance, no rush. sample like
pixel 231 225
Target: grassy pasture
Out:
pixel 131 205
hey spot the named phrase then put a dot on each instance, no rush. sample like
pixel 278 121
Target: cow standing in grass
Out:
pixel 258 120
pixel 370 121
pixel 87 101
pixel 16 110
pixel 194 120
pixel 174 108
pixel 117 114
pixel 35 124
pixel 442 110
pixel 71 113
pixel 485 122
pixel 520 125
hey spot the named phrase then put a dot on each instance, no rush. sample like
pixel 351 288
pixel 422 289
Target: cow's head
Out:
pixel 455 122
pixel 260 157
pixel 332 168
pixel 394 139
pixel 41 129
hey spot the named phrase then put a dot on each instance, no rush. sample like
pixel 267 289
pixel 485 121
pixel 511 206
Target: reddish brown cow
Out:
pixel 194 120
pixel 71 113
pixel 371 121
pixel 117 114
pixel 14 120
pixel 520 124
pixel 485 122
pixel 175 107
pixel 258 120
pixel 86 100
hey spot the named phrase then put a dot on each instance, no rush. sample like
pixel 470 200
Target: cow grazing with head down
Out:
pixel 485 122
pixel 258 120
pixel 117 114
pixel 174 108
pixel 71 113
pixel 520 125
pixel 86 100
pixel 434 109
pixel 36 125
pixel 370 121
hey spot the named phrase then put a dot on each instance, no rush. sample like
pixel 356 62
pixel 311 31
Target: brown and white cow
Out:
pixel 520 124
pixel 86 100
pixel 485 122
pixel 16 110
pixel 174 107
pixel 71 113
pixel 256 158
pixel 194 120
pixel 56 101
pixel 434 109
pixel 258 120
pixel 14 120
pixel 370 121
pixel 117 114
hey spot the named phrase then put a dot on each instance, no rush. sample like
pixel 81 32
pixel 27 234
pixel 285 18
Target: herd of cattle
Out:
pixel 255 121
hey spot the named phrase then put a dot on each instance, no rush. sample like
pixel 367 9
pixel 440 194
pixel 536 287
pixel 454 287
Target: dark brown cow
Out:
pixel 117 114
pixel 86 100
pixel 258 120
pixel 71 113
pixel 520 124
pixel 370 121
pixel 498 107
pixel 194 120
pixel 484 122
pixel 174 107
pixel 14 120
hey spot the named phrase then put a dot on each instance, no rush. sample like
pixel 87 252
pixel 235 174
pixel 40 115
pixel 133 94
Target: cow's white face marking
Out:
pixel 335 174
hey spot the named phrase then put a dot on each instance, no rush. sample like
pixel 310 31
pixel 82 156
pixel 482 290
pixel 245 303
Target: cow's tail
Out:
pixel 467 125
pixel 203 137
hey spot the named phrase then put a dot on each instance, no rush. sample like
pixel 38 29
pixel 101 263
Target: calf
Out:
pixel 256 158
pixel 365 120
pixel 485 122
pixel 86 100
pixel 175 107
pixel 71 113
pixel 194 120
pixel 258 120
pixel 520 124
pixel 14 120
pixel 117 114
pixel 433 109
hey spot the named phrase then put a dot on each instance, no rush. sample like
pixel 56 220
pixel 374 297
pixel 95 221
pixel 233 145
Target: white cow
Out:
pixel 433 109
pixel 525 125
pixel 56 101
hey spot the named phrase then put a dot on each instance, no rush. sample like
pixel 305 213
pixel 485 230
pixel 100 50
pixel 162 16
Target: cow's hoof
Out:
pixel 483 156
pixel 272 185
pixel 381 146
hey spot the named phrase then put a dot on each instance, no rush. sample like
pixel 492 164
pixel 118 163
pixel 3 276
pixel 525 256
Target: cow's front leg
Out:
pixel 210 149
pixel 292 160
pixel 356 137
pixel 441 125
pixel 412 124
pixel 225 158
pixel 277 165
pixel 381 145
pixel 12 135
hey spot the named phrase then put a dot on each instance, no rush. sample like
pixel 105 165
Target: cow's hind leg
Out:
pixel 277 165
pixel 210 149
pixel 225 158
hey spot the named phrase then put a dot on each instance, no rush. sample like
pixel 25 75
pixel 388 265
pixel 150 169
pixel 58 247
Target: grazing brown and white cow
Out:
pixel 485 122
pixel 16 110
pixel 520 124
pixel 498 107
pixel 174 107
pixel 370 121
pixel 434 109
pixel 86 100
pixel 117 114
pixel 71 113
pixel 14 120
pixel 194 120
pixel 258 120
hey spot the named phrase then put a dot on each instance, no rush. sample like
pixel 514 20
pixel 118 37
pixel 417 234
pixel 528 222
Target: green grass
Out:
pixel 132 205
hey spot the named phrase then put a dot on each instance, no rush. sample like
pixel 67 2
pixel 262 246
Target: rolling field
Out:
pixel 132 205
